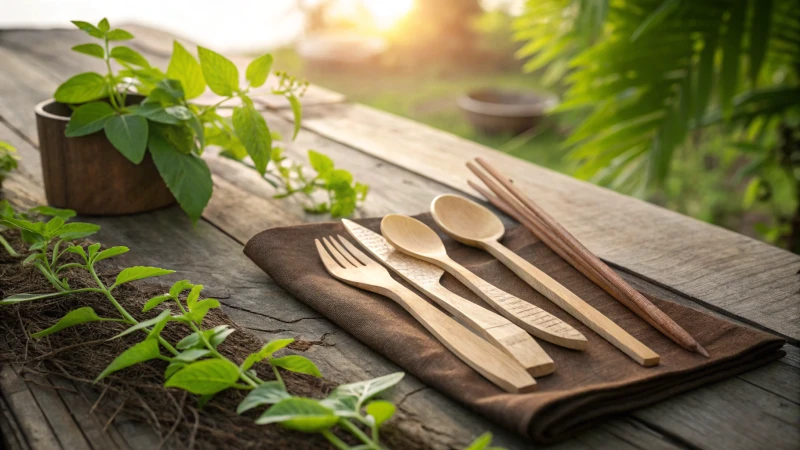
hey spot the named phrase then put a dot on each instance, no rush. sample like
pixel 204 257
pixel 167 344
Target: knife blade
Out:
pixel 425 277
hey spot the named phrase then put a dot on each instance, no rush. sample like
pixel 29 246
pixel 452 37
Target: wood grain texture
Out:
pixel 414 238
pixel 424 277
pixel 87 174
pixel 472 224
pixel 348 264
pixel 721 270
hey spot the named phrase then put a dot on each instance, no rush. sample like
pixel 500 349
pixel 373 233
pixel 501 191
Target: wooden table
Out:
pixel 407 164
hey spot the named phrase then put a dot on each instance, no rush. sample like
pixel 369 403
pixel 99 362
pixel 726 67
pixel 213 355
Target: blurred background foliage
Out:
pixel 692 105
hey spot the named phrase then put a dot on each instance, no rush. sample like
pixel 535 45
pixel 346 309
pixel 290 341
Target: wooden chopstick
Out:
pixel 543 226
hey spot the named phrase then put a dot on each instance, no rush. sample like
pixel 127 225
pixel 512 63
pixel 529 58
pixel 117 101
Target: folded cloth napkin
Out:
pixel 586 386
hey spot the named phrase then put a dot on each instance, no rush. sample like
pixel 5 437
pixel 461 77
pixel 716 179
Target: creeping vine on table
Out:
pixel 176 129
pixel 194 363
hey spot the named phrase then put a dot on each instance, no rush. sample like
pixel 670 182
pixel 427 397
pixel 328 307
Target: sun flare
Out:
pixel 387 13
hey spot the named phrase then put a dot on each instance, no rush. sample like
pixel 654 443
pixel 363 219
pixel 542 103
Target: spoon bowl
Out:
pixel 413 237
pixel 465 220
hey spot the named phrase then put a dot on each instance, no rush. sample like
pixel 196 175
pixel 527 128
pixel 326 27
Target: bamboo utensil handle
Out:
pixel 584 260
pixel 474 351
pixel 573 304
pixel 522 313
pixel 506 336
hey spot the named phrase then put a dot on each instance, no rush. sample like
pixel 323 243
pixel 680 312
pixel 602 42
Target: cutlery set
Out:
pixel 503 350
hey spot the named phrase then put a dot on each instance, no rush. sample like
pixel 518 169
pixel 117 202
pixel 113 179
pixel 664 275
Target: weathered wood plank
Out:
pixel 27 412
pixel 722 270
pixel 10 432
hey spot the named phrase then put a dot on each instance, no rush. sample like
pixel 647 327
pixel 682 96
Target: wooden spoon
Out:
pixel 475 225
pixel 413 237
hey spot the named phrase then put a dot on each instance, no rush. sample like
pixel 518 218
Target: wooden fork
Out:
pixel 353 267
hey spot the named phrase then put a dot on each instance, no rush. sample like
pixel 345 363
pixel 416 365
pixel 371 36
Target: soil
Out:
pixel 80 353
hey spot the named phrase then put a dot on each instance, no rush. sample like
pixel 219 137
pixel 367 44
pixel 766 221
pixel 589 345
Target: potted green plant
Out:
pixel 131 140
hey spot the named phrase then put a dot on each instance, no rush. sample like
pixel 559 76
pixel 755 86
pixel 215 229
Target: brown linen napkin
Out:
pixel 586 386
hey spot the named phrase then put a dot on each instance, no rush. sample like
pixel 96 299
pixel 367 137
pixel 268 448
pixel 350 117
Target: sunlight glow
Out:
pixel 387 13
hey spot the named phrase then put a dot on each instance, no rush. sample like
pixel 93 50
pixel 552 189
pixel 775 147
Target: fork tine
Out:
pixel 337 255
pixel 344 252
pixel 330 264
pixel 366 260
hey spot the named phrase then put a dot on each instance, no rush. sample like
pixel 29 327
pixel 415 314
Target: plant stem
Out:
pixel 112 92
pixel 125 313
pixel 333 439
pixel 8 247
pixel 354 430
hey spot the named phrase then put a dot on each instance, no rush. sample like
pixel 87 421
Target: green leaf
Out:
pixel 140 273
pixel 252 131
pixel 52 226
pixel 89 28
pixel 218 338
pixel 179 112
pixel 268 393
pixel 759 36
pixel 656 17
pixel 187 176
pixel 200 309
pixel 103 25
pixel 77 230
pixel 167 92
pixel 301 414
pixel 751 193
pixel 297 363
pixel 705 75
pixel 219 72
pixel 205 377
pixel 365 390
pixel 179 287
pixel 297 112
pixel 156 113
pixel 143 351
pixel 18 298
pixel 75 317
pixel 119 35
pixel 155 301
pixel 258 70
pixel 163 317
pixel 731 55
pixel 481 443
pixel 184 68
pixel 44 210
pixel 91 50
pixel 89 118
pixel 110 253
pixel 172 368
pixel 128 134
pixel 319 162
pixel 124 54
pixel 266 351
pixel 78 250
pixel 191 341
pixel 93 250
pixel 192 355
pixel 82 88
pixel 381 411
pixel 194 294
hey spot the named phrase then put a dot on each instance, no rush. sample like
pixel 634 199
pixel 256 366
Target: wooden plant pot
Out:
pixel 89 175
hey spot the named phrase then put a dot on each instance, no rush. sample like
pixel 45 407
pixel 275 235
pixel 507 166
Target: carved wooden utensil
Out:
pixel 476 226
pixel 413 237
pixel 424 276
pixel 353 267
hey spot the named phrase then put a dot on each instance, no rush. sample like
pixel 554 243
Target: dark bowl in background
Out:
pixel 497 111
